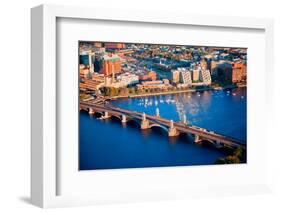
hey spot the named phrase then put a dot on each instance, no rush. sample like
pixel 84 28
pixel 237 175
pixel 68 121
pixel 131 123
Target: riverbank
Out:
pixel 176 92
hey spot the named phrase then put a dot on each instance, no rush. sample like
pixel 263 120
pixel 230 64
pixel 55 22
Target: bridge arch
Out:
pixel 160 126
pixel 133 120
pixel 98 112
pixel 94 111
pixel 83 109
pixel 117 116
pixel 209 141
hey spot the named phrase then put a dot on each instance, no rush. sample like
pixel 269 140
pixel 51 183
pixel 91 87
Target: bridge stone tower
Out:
pixel 172 130
pixel 157 112
pixel 184 120
pixel 106 115
pixel 197 139
pixel 124 119
pixel 144 122
pixel 91 111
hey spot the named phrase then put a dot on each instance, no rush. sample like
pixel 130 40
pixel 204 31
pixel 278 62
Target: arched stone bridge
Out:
pixel 173 128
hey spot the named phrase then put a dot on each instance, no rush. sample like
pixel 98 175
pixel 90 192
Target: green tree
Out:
pixel 238 152
pixel 107 91
pixel 231 159
pixel 124 91
pixel 111 91
pixel 234 158
pixel 132 91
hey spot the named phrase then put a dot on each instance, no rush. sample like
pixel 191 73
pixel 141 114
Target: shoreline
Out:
pixel 176 92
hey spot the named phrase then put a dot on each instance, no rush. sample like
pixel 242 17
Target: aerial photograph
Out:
pixel 161 105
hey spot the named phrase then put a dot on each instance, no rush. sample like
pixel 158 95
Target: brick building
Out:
pixel 238 72
pixel 111 64
pixel 109 45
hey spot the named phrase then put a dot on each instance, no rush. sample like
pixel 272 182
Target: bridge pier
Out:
pixel 106 115
pixel 124 119
pixel 218 144
pixel 91 111
pixel 197 139
pixel 172 130
pixel 144 122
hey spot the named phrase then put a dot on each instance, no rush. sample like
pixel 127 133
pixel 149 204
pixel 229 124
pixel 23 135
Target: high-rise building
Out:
pixel 238 72
pixel 175 76
pixel 186 77
pixel 195 75
pixel 222 71
pixel 182 75
pixel 111 64
pixel 205 77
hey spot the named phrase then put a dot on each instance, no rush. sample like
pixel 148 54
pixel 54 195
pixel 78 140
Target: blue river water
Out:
pixel 107 144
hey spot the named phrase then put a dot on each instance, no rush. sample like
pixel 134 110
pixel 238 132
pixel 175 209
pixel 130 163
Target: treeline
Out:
pixel 112 91
pixel 124 91
pixel 238 156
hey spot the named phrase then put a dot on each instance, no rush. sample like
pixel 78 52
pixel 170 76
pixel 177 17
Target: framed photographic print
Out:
pixel 133 105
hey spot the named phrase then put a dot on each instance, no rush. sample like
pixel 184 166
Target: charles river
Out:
pixel 107 144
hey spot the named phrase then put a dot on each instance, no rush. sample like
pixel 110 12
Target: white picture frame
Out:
pixel 44 154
